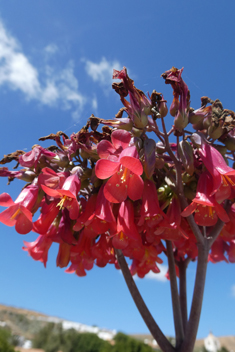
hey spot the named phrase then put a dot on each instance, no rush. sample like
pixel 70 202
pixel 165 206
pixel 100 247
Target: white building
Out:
pixel 211 343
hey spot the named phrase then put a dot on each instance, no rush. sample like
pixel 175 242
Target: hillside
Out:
pixel 24 322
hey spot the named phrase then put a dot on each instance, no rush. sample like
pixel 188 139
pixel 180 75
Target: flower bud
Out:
pixel 185 152
pixel 149 157
pixel 162 107
pixel 216 130
pixel 230 140
pixel 181 120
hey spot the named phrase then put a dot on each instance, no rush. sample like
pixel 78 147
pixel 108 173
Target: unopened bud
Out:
pixel 162 107
pixel 230 140
pixel 185 152
pixel 181 120
pixel 149 157
pixel 216 131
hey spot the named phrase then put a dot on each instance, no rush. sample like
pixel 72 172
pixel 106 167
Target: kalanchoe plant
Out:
pixel 114 193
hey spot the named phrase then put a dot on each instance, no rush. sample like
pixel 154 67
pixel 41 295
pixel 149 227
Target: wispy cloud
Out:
pixel 54 88
pixel 51 49
pixel 102 71
pixel 233 290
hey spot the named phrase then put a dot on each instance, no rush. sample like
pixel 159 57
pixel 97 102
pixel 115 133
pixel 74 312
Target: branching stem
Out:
pixel 140 304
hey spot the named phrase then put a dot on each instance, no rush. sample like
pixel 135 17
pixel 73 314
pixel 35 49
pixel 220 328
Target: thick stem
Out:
pixel 183 292
pixel 140 304
pixel 193 322
pixel 179 331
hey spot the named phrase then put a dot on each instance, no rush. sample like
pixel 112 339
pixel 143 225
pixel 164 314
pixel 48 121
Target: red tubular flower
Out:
pixel 63 256
pixel 150 213
pixel 81 257
pixel 125 170
pixel 103 252
pixel 126 229
pixel 147 263
pixel 38 249
pixel 223 175
pixel 206 209
pixel 97 218
pixel 67 194
pixel 217 251
pixel 170 228
pixel 19 213
pixel 228 231
pixel 48 214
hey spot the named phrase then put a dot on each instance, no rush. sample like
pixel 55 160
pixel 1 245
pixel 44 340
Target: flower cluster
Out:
pixel 117 189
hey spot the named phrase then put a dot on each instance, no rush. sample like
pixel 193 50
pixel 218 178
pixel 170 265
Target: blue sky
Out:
pixel 56 61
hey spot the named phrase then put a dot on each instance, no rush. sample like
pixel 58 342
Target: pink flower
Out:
pixel 223 175
pixel 19 213
pixel 124 169
pixel 67 194
pixel 127 231
pixel 38 249
pixel 206 209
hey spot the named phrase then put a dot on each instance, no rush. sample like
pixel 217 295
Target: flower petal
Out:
pixel 120 138
pixel 135 187
pixel 133 164
pixel 23 224
pixel 105 168
pixel 115 191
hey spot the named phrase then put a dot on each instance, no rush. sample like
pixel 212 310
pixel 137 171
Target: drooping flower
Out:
pixel 223 175
pixel 148 261
pixel 19 213
pixel 127 230
pixel 81 257
pixel 97 217
pixel 121 165
pixel 150 213
pixel 67 195
pixel 38 249
pixel 204 205
pixel 218 250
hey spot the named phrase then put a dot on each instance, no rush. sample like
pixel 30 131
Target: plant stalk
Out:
pixel 179 331
pixel 193 322
pixel 156 332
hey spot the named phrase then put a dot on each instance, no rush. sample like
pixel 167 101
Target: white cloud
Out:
pixel 102 72
pixel 51 49
pixel 53 88
pixel 94 104
pixel 233 290
pixel 159 277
